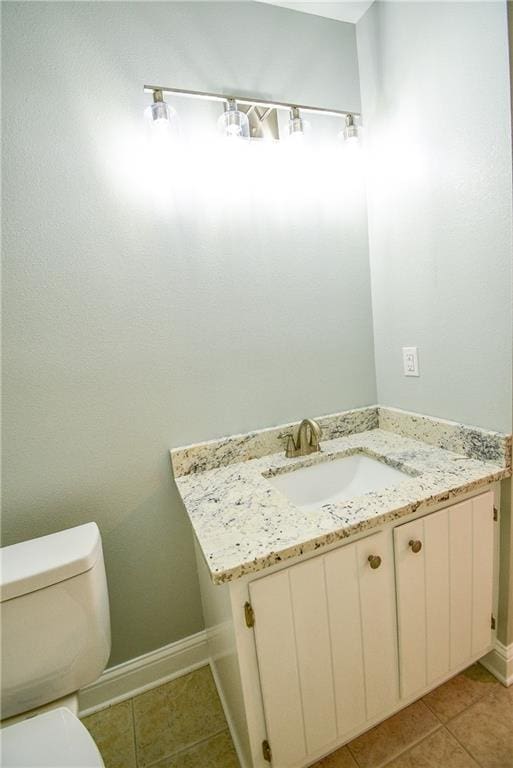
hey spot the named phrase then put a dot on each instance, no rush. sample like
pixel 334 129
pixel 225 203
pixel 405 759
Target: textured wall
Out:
pixel 435 96
pixel 506 575
pixel 152 301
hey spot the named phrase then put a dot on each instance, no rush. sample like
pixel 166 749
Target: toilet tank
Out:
pixel 54 614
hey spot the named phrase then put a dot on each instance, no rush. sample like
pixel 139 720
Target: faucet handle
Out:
pixel 291 448
pixel 286 436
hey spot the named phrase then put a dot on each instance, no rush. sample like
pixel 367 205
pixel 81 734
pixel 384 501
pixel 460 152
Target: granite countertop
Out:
pixel 243 524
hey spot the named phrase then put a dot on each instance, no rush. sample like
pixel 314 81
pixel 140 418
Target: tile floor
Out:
pixel 180 724
pixel 465 723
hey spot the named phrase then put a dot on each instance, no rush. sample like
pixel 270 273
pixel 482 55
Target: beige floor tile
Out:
pixel 440 750
pixel 388 739
pixel 486 729
pixel 459 693
pixel 176 715
pixel 112 730
pixel 217 752
pixel 342 758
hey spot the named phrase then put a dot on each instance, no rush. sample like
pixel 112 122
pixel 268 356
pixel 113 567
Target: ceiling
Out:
pixel 344 10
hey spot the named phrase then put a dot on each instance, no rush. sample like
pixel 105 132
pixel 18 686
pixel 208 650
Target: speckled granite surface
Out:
pixel 244 525
pixel 474 442
pixel 252 445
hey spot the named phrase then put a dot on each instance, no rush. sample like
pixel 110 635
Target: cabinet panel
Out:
pixel 411 607
pixel 346 635
pixel 482 573
pixel 277 661
pixel 313 645
pixel 436 554
pixel 379 638
pixel 460 566
pixel 444 591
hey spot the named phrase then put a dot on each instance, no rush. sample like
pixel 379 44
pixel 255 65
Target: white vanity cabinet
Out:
pixel 444 574
pixel 326 646
pixel 309 655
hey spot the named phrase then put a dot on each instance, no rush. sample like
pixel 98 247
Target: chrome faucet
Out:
pixel 308 438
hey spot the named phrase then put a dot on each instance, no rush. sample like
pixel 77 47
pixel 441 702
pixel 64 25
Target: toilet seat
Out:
pixel 55 739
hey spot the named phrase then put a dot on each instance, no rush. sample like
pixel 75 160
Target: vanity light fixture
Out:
pixel 233 122
pixel 259 120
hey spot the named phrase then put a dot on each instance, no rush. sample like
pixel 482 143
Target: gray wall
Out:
pixel 505 628
pixel 435 98
pixel 152 304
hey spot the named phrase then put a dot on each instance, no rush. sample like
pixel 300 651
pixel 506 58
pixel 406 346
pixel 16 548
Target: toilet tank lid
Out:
pixel 41 562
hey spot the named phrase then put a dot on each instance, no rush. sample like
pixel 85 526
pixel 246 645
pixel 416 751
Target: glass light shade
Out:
pixel 159 112
pixel 162 126
pixel 233 123
pixel 297 127
pixel 351 132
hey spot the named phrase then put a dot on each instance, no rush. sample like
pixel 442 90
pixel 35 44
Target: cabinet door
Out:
pixel 326 647
pixel 444 572
pixel 379 624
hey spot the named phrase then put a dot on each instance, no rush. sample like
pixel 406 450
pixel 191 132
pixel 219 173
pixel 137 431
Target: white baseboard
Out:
pixel 500 662
pixel 143 673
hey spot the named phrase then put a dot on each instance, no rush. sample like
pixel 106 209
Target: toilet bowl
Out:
pixel 54 739
pixel 54 613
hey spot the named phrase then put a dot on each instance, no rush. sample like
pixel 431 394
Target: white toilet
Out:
pixel 55 625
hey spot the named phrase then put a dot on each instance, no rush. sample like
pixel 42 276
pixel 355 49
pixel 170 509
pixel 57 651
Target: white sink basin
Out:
pixel 336 480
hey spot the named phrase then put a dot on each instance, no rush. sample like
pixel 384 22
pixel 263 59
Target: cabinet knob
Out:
pixel 375 561
pixel 416 546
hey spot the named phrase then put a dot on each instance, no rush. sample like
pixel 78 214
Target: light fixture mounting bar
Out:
pixel 251 101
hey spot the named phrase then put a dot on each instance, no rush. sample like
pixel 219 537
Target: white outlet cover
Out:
pixel 410 361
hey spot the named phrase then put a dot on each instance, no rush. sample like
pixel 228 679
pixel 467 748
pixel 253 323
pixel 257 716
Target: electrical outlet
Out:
pixel 410 361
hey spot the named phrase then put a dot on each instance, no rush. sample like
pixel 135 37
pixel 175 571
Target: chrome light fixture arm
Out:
pixel 251 101
pixel 259 120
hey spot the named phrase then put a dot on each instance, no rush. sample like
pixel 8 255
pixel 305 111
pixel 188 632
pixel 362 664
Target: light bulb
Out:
pixel 233 123
pixel 160 116
pixel 297 127
pixel 351 132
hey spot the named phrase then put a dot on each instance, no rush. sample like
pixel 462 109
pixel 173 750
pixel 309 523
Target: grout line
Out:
pixel 401 751
pixel 410 746
pixel 464 748
pixel 426 704
pixel 443 725
pixel 480 698
pixel 182 751
pixel 426 737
